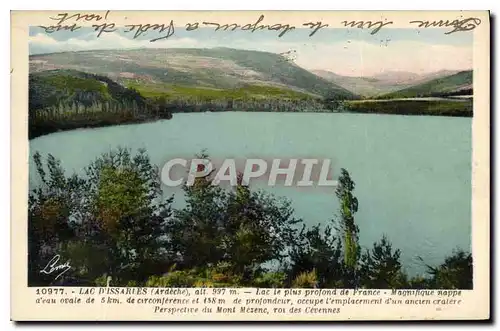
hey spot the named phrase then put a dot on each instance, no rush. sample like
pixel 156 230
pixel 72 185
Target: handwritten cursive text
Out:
pixel 65 21
pixel 375 26
pixel 466 24
pixel 53 267
pixel 252 27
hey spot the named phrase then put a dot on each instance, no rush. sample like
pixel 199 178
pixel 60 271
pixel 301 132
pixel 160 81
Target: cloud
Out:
pixel 106 41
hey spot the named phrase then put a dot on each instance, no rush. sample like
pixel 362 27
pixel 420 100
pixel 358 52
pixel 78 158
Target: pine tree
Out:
pixel 381 267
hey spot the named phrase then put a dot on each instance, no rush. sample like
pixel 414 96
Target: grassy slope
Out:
pixel 365 86
pixel 436 87
pixel 171 91
pixel 225 68
pixel 278 70
pixel 49 88
pixel 67 99
pixel 381 84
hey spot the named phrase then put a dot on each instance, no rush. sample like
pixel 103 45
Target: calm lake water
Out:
pixel 412 173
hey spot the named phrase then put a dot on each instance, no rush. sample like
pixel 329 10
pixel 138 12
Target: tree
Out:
pixel 128 209
pixel 115 226
pixel 195 232
pixel 115 217
pixel 50 207
pixel 258 229
pixel 455 273
pixel 347 226
pixel 381 267
pixel 243 228
pixel 321 251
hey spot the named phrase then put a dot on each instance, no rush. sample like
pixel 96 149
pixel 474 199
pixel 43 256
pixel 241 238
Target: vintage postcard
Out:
pixel 196 166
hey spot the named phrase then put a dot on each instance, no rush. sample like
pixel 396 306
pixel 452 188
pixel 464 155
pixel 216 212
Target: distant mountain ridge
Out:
pixel 382 83
pixel 456 84
pixel 211 68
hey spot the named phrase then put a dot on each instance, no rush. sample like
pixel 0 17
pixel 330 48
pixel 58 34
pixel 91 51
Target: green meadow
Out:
pixel 173 91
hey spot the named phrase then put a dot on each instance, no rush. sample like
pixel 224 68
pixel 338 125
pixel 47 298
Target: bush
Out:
pixel 306 280
pixel 172 279
pixel 270 279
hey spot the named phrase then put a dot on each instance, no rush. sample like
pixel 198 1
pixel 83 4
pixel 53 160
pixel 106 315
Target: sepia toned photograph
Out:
pixel 307 160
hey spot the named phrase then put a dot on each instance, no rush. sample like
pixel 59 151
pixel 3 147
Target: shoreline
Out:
pixel 101 124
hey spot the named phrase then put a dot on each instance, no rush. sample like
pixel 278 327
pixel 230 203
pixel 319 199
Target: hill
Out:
pixel 53 87
pixel 65 99
pixel 456 84
pixel 383 83
pixel 156 70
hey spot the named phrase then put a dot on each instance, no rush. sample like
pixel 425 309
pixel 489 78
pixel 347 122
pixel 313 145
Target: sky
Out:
pixel 346 51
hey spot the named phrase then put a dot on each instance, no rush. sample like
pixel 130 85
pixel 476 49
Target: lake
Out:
pixel 412 173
